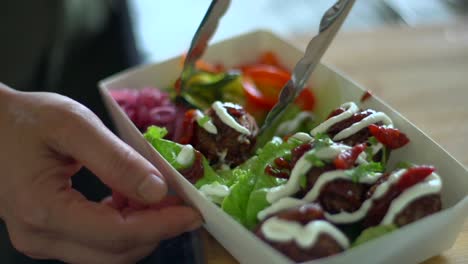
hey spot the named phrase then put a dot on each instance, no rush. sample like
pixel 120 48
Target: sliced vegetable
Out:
pixel 203 65
pixel 204 88
pixel 263 83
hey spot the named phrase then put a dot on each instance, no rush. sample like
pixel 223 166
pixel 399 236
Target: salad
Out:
pixel 309 189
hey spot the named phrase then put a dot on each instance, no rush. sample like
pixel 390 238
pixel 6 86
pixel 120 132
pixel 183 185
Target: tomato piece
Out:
pixel 413 176
pixel 390 137
pixel 346 159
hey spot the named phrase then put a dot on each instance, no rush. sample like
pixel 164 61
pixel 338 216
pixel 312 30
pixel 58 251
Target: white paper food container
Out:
pixel 411 244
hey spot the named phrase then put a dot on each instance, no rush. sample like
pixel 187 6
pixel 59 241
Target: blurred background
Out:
pixel 165 28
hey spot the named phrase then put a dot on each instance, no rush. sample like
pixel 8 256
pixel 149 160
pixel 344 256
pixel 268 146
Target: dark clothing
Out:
pixel 67 46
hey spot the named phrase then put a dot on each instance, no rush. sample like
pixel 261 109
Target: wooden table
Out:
pixel 422 73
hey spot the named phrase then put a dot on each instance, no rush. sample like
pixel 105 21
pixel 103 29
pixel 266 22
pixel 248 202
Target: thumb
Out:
pixel 85 138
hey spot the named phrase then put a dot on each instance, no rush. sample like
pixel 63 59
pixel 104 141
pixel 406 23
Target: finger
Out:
pixel 167 201
pixel 165 223
pixel 120 201
pixel 83 137
pixel 74 217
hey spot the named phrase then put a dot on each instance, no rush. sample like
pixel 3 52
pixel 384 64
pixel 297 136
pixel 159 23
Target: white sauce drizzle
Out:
pixel 279 230
pixel 227 119
pixel 330 176
pixel 365 122
pixel 214 191
pixel 290 126
pixel 280 205
pixel 302 166
pixel 186 156
pixel 301 136
pixel 208 125
pixel 351 109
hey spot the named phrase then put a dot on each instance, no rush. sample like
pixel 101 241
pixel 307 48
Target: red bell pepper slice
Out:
pixel 263 83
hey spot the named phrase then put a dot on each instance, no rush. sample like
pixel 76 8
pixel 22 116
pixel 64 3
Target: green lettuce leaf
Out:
pixel 169 150
pixel 248 194
pixel 235 204
pixel 373 233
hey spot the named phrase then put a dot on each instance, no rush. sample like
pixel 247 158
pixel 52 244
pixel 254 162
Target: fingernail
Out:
pixel 195 225
pixel 150 189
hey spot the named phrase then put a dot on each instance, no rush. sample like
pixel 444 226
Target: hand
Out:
pixel 45 139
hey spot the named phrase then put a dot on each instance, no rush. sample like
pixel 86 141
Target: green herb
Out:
pixel 155 132
pixel 303 181
pixel 373 233
pixel 364 169
pixel 202 121
pixel 322 140
pixel 373 141
pixel 316 162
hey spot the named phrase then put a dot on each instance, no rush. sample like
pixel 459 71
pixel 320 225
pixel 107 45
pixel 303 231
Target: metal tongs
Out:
pixel 205 31
pixel 329 26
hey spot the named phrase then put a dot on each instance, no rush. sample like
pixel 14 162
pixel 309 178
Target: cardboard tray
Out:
pixel 410 244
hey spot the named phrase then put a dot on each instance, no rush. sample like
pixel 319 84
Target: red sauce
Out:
pixel 367 94
pixel 235 112
pixel 336 112
pixel 282 163
pixel 188 127
pixel 336 128
pixel 282 174
pixel 298 152
pixel 347 158
pixel 392 138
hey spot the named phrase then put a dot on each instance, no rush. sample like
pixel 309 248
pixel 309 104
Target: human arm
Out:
pixel 45 139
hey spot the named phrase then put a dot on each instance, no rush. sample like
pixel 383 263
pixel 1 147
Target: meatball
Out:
pixel 361 136
pixel 415 210
pixel 228 145
pixel 342 195
pixel 325 245
pixel 336 196
pixel 418 209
